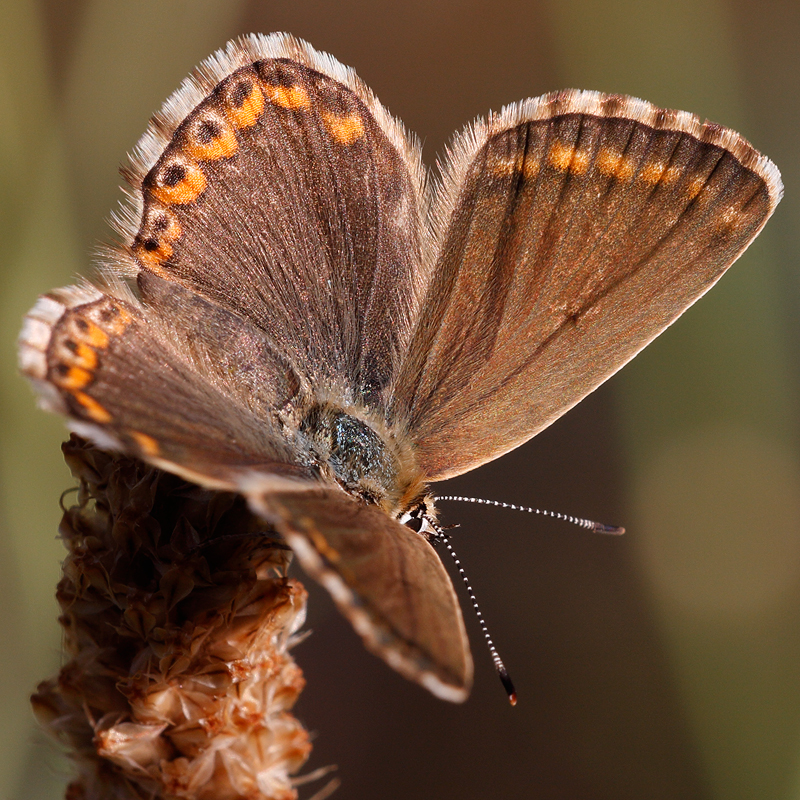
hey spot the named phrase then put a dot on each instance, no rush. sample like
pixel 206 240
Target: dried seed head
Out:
pixel 178 618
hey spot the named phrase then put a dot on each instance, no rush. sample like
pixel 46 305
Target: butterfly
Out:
pixel 297 312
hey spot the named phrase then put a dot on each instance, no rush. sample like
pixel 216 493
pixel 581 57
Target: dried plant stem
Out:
pixel 178 617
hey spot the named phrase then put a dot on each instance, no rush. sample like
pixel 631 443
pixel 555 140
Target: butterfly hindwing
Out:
pixel 132 384
pixel 573 229
pixel 289 196
pixel 386 579
pixel 122 381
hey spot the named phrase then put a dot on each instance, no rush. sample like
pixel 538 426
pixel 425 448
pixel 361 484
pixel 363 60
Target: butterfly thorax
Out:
pixel 362 455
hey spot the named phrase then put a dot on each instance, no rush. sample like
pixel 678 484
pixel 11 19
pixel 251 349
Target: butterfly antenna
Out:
pixel 588 524
pixel 502 672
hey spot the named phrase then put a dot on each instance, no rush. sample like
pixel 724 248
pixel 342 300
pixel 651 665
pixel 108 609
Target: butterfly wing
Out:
pixel 385 578
pixel 573 230
pixel 275 185
pixel 122 378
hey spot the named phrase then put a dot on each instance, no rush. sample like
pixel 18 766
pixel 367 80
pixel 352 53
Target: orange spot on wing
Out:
pixel 153 259
pixel 346 129
pixel 96 411
pixel 74 378
pixel 559 156
pixel 223 146
pixel 651 173
pixel 530 167
pixel 671 174
pixel 148 444
pixel 658 172
pixel 614 165
pixel 565 158
pixel 580 162
pixel 85 356
pixel 190 187
pixel 504 167
pixel 94 336
pixel 173 230
pixel 321 543
pixel 291 97
pixel 695 186
pixel 120 322
pixel 247 114
pixel 115 319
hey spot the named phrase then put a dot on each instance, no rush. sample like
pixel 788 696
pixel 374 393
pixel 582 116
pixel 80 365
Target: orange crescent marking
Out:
pixel 92 407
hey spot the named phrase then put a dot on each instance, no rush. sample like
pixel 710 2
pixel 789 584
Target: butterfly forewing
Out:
pixel 574 229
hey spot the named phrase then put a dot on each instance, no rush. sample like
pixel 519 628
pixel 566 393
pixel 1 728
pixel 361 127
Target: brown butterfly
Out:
pixel 298 314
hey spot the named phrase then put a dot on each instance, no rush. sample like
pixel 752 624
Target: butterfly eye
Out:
pixel 415 523
pixel 415 518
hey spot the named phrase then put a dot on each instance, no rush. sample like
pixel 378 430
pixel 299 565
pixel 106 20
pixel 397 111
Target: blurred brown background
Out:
pixel 662 665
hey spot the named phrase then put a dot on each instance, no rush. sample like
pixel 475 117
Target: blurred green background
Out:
pixel 662 665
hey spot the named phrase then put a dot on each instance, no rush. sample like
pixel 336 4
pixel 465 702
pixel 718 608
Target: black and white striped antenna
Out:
pixel 587 524
pixel 438 536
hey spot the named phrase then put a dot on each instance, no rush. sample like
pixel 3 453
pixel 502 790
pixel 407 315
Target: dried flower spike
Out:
pixel 178 618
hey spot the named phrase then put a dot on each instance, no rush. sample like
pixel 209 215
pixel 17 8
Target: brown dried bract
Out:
pixel 178 617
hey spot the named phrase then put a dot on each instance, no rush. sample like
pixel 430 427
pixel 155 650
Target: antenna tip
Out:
pixel 508 685
pixel 614 530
